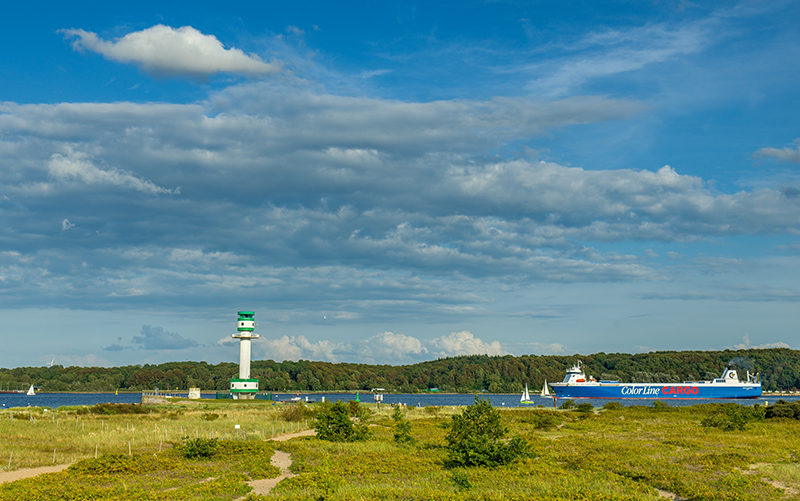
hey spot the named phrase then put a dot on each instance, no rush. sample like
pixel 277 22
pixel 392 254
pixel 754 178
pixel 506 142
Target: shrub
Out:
pixel 584 407
pixel 210 416
pixel 476 437
pixel 568 404
pixel 659 405
pixel 733 417
pixel 333 423
pixel 612 406
pixel 783 409
pixel 402 427
pixel 199 447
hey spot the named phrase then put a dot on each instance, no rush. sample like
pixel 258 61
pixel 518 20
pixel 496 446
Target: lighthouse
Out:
pixel 244 387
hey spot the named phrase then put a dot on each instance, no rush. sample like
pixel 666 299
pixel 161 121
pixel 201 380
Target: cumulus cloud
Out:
pixel 746 345
pixel 65 225
pixel 156 338
pixel 784 154
pixel 383 348
pixel 464 343
pixel 164 50
pixel 392 348
pixel 298 347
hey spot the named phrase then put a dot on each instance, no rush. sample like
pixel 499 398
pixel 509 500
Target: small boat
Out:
pixel 545 390
pixel 30 391
pixel 526 397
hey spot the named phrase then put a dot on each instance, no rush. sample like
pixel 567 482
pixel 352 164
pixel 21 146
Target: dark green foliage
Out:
pixel 731 417
pixel 460 480
pixel 476 437
pixel 199 447
pixel 568 404
pixel 779 368
pixel 111 409
pixel 210 416
pixel 402 427
pixel 333 423
pixel 784 409
pixel 584 407
pixel 659 405
pixel 612 406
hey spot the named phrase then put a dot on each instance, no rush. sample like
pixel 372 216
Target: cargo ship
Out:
pixel 577 385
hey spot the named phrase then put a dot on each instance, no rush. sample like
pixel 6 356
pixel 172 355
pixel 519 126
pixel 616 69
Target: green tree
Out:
pixel 476 437
pixel 333 423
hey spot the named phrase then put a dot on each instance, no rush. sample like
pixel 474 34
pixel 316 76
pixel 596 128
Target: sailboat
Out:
pixel 30 391
pixel 545 390
pixel 526 397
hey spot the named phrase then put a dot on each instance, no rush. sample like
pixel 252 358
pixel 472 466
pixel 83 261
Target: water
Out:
pixel 506 400
pixel 55 400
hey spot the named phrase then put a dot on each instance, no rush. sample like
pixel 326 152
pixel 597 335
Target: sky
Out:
pixel 395 182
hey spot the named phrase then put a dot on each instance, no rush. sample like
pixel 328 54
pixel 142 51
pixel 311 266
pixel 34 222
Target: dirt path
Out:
pixel 11 476
pixel 281 460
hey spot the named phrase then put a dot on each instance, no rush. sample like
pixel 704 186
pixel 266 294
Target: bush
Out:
pixel 783 409
pixel 334 425
pixel 476 437
pixel 584 407
pixel 402 427
pixel 731 417
pixel 199 447
pixel 568 404
pixel 612 406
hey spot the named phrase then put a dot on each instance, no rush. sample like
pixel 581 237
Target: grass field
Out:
pixel 622 454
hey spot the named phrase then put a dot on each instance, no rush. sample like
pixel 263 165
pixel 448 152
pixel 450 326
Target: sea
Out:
pixel 56 400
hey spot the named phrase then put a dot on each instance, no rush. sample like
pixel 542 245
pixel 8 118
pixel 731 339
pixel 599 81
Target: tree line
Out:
pixel 779 369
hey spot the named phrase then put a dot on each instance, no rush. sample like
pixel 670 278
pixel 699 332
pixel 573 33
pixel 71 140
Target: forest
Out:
pixel 779 369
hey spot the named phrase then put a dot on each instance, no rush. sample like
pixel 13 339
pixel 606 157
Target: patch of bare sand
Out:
pixel 12 476
pixel 281 460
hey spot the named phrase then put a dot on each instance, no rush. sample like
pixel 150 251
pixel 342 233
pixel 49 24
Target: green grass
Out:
pixel 616 454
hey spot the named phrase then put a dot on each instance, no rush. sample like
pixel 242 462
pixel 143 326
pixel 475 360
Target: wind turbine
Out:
pixel 51 362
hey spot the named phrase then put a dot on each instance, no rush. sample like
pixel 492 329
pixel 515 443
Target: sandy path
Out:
pixel 281 460
pixel 11 476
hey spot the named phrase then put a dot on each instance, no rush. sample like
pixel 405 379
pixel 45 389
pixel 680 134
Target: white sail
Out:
pixel 526 397
pixel 30 391
pixel 545 390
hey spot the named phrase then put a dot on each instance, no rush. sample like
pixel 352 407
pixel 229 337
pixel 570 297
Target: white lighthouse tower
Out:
pixel 244 387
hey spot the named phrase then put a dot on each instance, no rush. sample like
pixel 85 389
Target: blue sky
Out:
pixel 392 183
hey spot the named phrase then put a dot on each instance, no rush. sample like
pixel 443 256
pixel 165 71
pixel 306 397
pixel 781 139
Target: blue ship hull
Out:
pixel 665 391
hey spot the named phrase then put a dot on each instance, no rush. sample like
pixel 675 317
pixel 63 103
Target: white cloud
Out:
pixel 298 347
pixel 392 348
pixel 65 225
pixel 615 51
pixel 169 51
pixel 784 154
pixel 77 165
pixel 745 345
pixel 464 343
